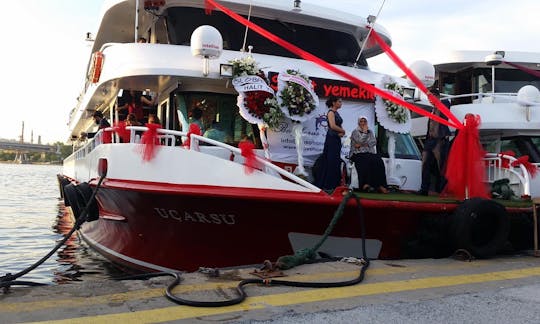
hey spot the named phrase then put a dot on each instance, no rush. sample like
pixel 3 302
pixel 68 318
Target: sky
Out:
pixel 44 59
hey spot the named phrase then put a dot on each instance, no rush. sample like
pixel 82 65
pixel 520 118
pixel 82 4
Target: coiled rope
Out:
pixel 304 254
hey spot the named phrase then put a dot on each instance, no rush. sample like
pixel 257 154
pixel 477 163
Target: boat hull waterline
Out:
pixel 162 227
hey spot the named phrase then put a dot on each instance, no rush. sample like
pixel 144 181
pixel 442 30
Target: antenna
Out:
pixel 247 28
pixel 371 21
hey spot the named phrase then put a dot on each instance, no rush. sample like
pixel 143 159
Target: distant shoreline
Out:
pixel 35 163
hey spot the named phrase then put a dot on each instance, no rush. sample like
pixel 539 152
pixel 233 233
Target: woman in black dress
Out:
pixel 328 173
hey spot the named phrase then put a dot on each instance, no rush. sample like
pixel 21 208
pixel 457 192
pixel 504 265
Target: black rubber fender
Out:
pixel 480 226
pixel 62 182
pixel 77 197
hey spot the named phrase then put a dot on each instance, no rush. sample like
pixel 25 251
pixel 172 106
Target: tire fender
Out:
pixel 77 196
pixel 480 226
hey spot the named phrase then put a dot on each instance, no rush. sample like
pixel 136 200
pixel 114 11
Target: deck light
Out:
pixel 226 70
pixel 296 5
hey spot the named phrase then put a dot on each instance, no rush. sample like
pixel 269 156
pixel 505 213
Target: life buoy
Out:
pixel 77 197
pixel 97 63
pixel 479 226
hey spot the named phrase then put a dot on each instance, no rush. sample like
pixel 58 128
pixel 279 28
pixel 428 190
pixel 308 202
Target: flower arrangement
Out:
pixel 256 106
pixel 244 66
pixel 296 98
pixel 395 111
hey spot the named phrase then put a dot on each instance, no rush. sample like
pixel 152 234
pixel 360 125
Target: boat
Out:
pixel 183 201
pixel 501 87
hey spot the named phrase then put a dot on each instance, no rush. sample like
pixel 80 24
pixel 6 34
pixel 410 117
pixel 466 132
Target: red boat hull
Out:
pixel 159 226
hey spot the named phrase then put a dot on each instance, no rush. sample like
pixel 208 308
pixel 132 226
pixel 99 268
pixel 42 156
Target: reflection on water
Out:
pixel 33 220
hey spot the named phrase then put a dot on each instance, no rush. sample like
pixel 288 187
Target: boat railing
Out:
pixel 497 168
pixel 480 96
pixel 194 145
pixel 168 138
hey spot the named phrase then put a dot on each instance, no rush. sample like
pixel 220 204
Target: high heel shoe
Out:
pixel 368 188
pixel 383 190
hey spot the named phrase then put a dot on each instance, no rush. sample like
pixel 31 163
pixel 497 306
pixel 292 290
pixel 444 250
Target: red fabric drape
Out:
pixel 120 129
pixel 522 160
pixel 247 151
pixel 524 69
pixel 107 136
pixel 434 100
pixel 193 129
pixel 465 170
pixel 149 141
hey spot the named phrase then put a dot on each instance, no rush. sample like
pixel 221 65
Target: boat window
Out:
pixel 520 145
pixel 220 108
pixel 405 145
pixel 506 80
pixel 332 46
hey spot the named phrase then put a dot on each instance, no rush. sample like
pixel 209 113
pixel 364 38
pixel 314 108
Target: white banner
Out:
pixel 281 142
pixel 251 83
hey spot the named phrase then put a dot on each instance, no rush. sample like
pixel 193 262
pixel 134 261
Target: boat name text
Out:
pixel 196 217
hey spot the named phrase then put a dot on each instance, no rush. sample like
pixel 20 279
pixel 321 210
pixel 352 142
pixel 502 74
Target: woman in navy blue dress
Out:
pixel 328 173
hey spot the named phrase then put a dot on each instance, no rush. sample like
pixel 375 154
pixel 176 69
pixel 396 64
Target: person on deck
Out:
pixel 369 165
pixel 327 170
pixel 435 152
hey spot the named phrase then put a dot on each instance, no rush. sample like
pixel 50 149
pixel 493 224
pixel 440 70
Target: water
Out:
pixel 33 220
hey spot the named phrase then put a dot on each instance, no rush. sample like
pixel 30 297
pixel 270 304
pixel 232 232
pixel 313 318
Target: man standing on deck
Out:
pixel 435 152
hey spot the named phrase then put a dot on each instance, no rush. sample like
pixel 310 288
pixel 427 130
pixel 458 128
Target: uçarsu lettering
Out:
pixel 196 217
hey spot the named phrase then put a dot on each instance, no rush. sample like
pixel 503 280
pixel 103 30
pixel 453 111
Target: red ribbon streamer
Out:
pixel 247 151
pixel 310 57
pixel 120 129
pixel 193 129
pixel 434 100
pixel 524 69
pixel 465 170
pixel 149 141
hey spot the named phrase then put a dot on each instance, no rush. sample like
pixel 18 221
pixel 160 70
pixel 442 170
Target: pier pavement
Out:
pixel 499 290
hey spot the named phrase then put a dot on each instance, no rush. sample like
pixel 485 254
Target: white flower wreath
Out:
pixel 256 99
pixel 392 116
pixel 296 96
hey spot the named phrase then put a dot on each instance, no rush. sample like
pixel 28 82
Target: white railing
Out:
pixel 517 175
pixel 168 138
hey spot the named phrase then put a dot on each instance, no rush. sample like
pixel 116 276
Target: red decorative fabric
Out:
pixel 193 129
pixel 310 57
pixel 107 136
pixel 524 160
pixel 208 7
pixel 524 69
pixel 434 100
pixel 465 170
pixel 120 129
pixel 149 141
pixel 247 151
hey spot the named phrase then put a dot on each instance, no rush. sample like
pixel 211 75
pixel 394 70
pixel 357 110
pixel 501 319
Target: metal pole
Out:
pixel 136 21
pixel 493 80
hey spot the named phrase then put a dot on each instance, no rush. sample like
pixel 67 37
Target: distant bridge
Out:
pixel 22 149
pixel 27 147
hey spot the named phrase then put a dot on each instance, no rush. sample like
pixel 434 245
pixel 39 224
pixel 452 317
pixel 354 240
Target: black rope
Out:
pixel 269 282
pixel 10 279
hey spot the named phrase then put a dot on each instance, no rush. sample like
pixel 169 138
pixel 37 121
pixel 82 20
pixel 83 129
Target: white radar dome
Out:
pixel 425 71
pixel 528 95
pixel 206 42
